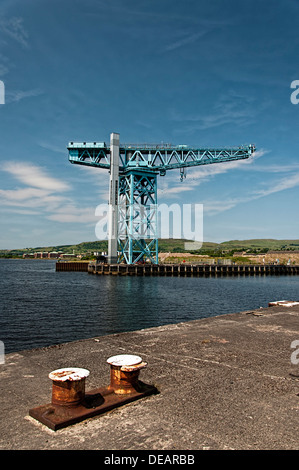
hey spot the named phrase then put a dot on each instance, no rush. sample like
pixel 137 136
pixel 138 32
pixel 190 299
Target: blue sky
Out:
pixel 205 72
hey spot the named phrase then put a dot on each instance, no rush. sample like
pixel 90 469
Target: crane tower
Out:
pixel 133 187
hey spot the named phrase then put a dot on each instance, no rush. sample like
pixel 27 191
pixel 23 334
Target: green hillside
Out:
pixel 169 245
pixel 260 244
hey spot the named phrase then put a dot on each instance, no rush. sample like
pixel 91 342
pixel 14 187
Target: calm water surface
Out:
pixel 41 307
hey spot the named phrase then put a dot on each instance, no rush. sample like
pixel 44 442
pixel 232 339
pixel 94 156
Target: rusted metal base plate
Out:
pixel 96 402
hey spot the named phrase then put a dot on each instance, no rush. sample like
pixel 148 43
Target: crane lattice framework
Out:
pixel 132 216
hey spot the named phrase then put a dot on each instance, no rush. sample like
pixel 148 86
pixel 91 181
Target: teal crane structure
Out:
pixel 134 169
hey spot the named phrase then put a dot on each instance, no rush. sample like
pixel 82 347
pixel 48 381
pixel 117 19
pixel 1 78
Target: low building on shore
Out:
pixel 67 255
pixel 28 255
pixel 54 254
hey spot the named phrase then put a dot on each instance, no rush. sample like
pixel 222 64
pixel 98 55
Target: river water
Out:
pixel 41 307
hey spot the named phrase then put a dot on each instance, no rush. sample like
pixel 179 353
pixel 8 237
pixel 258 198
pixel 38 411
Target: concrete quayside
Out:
pixel 229 382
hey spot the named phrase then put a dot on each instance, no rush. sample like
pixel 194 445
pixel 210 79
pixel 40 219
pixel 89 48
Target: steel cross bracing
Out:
pixel 137 229
pixel 133 175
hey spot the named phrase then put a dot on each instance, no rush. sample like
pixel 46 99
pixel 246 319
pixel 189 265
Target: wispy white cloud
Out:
pixel 215 207
pixel 39 191
pixel 42 194
pixel 15 29
pixel 17 210
pixel 29 198
pixel 3 66
pixel 204 173
pixel 98 177
pixel 34 176
pixel 33 201
pixel 174 190
pixel 288 182
pixel 70 213
pixel 16 96
pixel 274 168
pixel 187 39
pixel 228 108
pixel 53 148
pixel 15 196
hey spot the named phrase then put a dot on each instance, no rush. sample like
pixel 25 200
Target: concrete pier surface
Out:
pixel 229 382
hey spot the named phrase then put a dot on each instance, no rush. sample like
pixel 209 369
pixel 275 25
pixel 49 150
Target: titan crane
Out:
pixel 133 187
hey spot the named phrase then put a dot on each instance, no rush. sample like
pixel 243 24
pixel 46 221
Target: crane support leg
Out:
pixel 138 240
pixel 113 199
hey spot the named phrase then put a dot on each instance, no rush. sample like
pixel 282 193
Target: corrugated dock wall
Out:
pixel 176 269
pixel 72 266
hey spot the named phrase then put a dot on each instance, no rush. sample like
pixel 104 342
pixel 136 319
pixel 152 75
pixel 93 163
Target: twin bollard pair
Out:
pixel 71 404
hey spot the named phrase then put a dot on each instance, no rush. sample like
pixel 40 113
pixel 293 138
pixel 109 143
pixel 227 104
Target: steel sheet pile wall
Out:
pixel 72 266
pixel 190 270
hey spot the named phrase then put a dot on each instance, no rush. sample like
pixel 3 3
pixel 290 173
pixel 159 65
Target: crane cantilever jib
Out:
pixel 155 158
pixel 133 181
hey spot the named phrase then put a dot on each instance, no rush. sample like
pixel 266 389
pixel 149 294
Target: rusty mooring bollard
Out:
pixel 68 388
pixel 70 404
pixel 124 373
